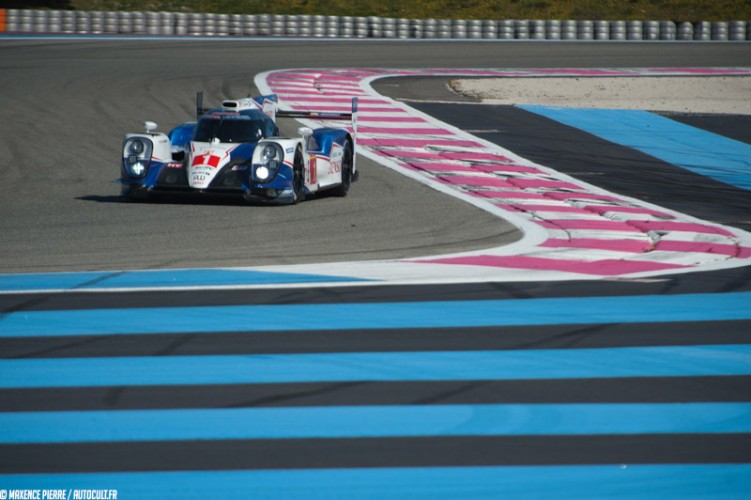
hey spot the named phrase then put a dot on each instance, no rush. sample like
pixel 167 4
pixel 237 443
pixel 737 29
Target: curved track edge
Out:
pixel 572 229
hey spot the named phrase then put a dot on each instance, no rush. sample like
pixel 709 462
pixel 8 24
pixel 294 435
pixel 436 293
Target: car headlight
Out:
pixel 137 156
pixel 269 152
pixel 262 173
pixel 137 169
pixel 136 147
pixel 272 158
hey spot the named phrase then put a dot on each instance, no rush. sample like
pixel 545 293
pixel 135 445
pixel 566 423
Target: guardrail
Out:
pixel 174 23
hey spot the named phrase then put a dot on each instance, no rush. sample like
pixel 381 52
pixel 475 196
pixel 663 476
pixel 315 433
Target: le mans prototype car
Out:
pixel 237 149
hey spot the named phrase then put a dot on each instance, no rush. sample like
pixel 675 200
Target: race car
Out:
pixel 236 149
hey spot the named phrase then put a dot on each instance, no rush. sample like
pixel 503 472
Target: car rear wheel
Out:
pixel 347 162
pixel 298 178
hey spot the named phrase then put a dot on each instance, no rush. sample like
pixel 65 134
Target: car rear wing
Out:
pixel 325 115
pixel 266 103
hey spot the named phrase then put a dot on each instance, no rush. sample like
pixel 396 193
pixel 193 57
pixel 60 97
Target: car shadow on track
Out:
pixel 186 199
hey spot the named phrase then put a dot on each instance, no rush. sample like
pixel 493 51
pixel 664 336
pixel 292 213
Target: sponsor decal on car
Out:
pixel 335 164
pixel 201 176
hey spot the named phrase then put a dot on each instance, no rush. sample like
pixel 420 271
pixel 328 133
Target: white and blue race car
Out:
pixel 236 149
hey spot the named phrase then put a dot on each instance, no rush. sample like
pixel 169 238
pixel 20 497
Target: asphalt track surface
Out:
pixel 645 409
pixel 69 103
pixel 621 169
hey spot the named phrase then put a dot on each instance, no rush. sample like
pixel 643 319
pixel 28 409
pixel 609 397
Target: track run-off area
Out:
pixel 571 228
pixel 602 352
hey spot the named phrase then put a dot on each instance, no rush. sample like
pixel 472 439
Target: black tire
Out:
pixel 298 179
pixel 347 162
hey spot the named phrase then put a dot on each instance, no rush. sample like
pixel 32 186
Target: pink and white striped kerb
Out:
pixel 571 227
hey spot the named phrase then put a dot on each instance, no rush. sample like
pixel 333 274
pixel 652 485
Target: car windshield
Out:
pixel 228 130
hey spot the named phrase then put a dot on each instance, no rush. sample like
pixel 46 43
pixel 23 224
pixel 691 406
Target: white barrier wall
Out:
pixel 171 23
